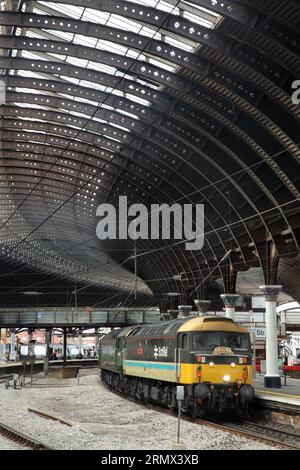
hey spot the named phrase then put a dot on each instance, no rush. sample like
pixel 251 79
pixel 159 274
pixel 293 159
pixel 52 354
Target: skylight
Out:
pixel 106 86
pixel 186 9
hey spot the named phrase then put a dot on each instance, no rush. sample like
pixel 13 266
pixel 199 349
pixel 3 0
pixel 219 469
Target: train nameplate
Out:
pixel 222 350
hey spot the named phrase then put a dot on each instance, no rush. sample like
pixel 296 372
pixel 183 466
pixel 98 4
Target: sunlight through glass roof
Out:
pixel 90 75
pixel 160 101
pixel 45 32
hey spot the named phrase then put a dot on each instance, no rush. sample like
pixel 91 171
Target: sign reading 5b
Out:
pixel 260 332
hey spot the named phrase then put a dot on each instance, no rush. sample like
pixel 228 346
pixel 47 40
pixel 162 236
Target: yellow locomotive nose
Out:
pixel 223 373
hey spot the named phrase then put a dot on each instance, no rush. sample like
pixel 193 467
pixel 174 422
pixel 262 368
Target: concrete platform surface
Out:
pixel 41 362
pixel 289 393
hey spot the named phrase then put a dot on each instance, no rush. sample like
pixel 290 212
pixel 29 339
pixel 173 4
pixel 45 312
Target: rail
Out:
pixel 20 438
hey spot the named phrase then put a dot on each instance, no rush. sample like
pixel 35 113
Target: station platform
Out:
pixel 41 361
pixel 286 398
pixel 18 367
pixel 4 365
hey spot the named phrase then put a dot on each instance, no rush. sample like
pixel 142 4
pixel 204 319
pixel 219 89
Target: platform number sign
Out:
pixel 260 333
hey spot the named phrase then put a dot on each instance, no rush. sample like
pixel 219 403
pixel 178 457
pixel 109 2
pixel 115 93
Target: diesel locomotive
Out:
pixel 210 356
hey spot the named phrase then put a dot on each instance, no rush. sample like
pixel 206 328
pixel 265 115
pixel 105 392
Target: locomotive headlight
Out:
pixel 233 364
pixel 211 364
pixel 226 378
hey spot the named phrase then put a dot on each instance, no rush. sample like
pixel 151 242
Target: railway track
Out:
pixel 247 429
pixel 21 439
pixel 250 430
pixel 289 439
pixel 258 432
pixel 289 408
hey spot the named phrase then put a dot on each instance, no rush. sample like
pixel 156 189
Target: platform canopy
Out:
pixel 162 101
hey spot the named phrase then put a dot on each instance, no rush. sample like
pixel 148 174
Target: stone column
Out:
pixel 1 345
pixel 80 342
pixel 97 342
pixel 30 343
pixel 47 355
pixel 202 306
pixel 12 351
pixel 173 314
pixel 272 377
pixel 65 332
pixel 230 301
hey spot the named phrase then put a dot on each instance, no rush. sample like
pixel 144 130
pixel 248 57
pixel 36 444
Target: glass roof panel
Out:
pixel 196 19
pixel 85 40
pixel 33 55
pixel 202 9
pixel 87 75
pixel 76 61
pixel 99 17
pixel 88 84
pixel 70 79
pixel 111 47
pixel 34 33
pixel 102 67
pixel 167 6
pixel 68 10
pixel 116 21
pixel 60 34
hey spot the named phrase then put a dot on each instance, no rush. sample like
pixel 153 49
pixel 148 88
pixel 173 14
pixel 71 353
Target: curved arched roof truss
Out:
pixel 161 101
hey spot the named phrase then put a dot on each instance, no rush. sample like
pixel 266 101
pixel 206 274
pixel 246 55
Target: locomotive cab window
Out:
pixel 183 341
pixel 209 340
pixel 206 341
pixel 236 341
pixel 120 343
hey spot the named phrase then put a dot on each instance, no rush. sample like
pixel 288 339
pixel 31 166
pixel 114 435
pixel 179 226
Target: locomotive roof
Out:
pixel 181 325
pixel 118 333
pixel 209 323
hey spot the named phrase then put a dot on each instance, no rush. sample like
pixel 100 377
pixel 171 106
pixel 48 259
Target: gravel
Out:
pixel 103 420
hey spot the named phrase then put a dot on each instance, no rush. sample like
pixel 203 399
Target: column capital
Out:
pixel 173 314
pixel 202 305
pixel 185 310
pixel 230 300
pixel 270 292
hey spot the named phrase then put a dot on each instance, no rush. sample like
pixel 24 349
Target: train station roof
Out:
pixel 162 101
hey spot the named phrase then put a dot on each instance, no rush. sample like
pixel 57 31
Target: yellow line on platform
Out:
pixel 278 393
